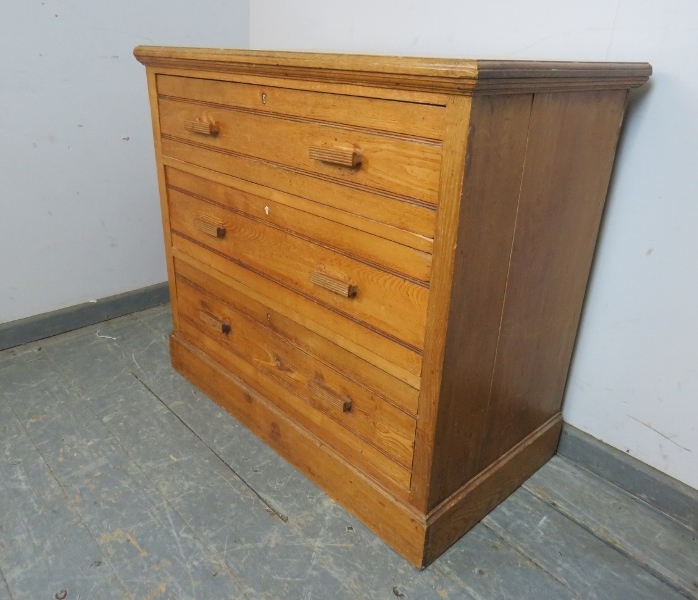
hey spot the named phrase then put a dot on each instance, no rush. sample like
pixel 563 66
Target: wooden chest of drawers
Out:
pixel 378 264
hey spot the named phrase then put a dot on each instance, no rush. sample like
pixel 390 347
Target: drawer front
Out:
pixel 404 168
pixel 403 118
pixel 389 356
pixel 411 217
pixel 389 255
pixel 361 293
pixel 344 411
pixel 392 390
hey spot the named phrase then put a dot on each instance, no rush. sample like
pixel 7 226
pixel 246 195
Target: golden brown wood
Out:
pixel 455 145
pixel 392 519
pixel 393 257
pixel 383 71
pixel 400 326
pixel 400 118
pixel 380 384
pixel 202 127
pixel 210 226
pixel 422 74
pixel 302 208
pixel 305 411
pixel 162 188
pixel 218 325
pixel 352 90
pixel 370 345
pixel 396 211
pixel 347 156
pixel 337 402
pixel 377 422
pixel 393 306
pixel 409 169
pixel 343 288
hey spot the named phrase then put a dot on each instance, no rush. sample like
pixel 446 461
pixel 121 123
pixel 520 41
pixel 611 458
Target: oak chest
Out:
pixel 378 264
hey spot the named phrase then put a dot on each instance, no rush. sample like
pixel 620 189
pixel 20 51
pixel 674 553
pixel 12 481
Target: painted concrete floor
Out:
pixel 118 479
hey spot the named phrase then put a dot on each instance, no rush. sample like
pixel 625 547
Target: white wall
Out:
pixel 79 211
pixel 634 380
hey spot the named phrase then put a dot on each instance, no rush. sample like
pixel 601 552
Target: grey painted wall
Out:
pixel 79 211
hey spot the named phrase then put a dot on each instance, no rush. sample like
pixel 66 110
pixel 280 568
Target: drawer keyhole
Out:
pixel 264 98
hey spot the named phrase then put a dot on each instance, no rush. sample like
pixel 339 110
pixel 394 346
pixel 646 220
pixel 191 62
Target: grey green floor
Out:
pixel 118 479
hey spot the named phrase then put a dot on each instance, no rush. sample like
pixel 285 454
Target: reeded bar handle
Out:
pixel 336 401
pixel 343 288
pixel 210 226
pixel 344 156
pixel 216 323
pixel 202 127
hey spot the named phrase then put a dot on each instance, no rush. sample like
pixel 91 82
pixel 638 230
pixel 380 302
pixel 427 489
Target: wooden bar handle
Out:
pixel 336 401
pixel 202 127
pixel 346 156
pixel 216 323
pixel 348 290
pixel 210 226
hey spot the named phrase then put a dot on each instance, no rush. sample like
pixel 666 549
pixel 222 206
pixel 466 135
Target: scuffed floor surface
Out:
pixel 118 479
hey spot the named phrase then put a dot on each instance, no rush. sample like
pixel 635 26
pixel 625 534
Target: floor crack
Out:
pixel 7 585
pixel 486 522
pixel 611 541
pixel 268 507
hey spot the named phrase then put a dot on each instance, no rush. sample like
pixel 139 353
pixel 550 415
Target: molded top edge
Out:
pixel 451 75
pixel 454 68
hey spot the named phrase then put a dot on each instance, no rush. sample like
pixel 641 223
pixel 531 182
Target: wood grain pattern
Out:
pixel 381 384
pixel 408 169
pixel 571 146
pixel 356 223
pixel 344 156
pixel 359 244
pixel 407 244
pixel 353 90
pixel 330 397
pixel 338 286
pixel 209 226
pixel 422 74
pixel 309 414
pixel 405 118
pixel 417 539
pixel 520 76
pixel 202 127
pixel 393 210
pixel 452 170
pixel 498 141
pixel 162 188
pixel 391 305
pixel 356 451
pixel 370 345
pixel 217 324
pixel 441 75
pixel 396 522
pixel 457 514
pixel 371 419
